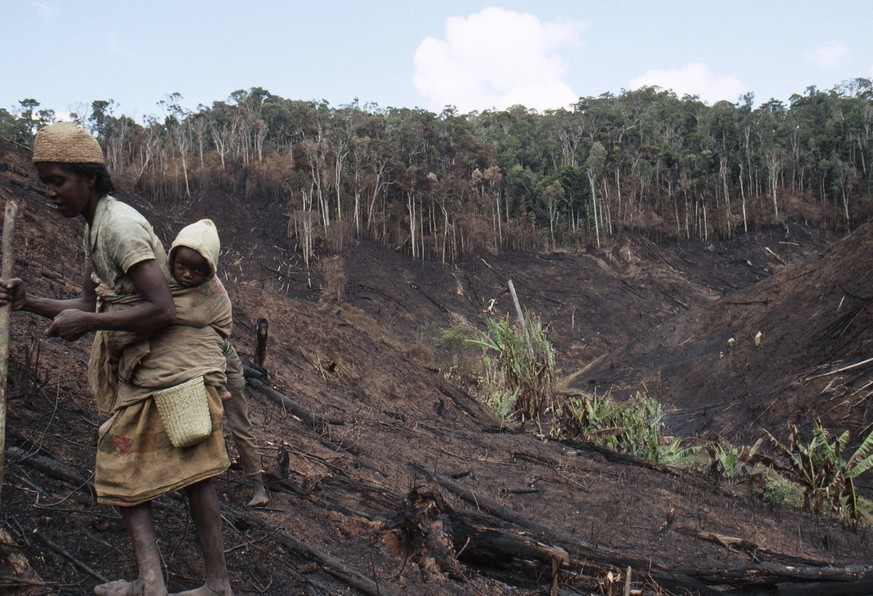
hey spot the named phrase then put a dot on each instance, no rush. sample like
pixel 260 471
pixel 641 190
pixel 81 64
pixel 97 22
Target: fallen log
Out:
pixel 785 575
pixel 435 536
pixel 46 465
pixel 493 541
pixel 309 417
pixel 796 579
pixel 755 551
pixel 464 401
pixel 490 547
pixel 590 553
pixel 861 588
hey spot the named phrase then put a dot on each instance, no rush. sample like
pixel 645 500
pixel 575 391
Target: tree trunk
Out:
pixel 261 345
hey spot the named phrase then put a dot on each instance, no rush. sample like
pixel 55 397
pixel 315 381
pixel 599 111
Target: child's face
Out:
pixel 190 268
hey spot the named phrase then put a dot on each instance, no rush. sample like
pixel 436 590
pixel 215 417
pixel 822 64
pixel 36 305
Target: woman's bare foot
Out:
pixel 122 587
pixel 205 590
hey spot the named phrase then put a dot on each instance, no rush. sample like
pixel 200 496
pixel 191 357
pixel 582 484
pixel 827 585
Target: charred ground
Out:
pixel 388 479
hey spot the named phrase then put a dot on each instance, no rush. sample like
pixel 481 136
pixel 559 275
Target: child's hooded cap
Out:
pixel 201 236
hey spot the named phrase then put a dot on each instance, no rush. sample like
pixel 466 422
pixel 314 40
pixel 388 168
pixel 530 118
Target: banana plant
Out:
pixel 820 470
pixel 731 462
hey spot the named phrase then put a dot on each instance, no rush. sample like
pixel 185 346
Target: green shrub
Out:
pixel 634 427
pixel 462 360
pixel 775 489
pixel 865 510
pixel 502 403
pixel 519 367
pixel 591 419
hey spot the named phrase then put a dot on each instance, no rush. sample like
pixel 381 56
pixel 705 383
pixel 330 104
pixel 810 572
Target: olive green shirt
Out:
pixel 119 238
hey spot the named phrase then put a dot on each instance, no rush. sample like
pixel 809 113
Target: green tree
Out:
pixel 594 171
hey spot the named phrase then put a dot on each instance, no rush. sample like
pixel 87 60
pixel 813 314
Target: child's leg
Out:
pixel 236 412
pixel 260 496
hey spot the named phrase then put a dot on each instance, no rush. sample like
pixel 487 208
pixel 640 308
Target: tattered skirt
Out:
pixel 136 461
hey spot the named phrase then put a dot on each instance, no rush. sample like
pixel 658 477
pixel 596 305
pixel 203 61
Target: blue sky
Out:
pixel 429 54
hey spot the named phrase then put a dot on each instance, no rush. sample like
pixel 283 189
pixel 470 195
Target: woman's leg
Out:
pixel 140 525
pixel 205 511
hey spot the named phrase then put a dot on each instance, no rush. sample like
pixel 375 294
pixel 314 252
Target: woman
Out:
pixel 125 297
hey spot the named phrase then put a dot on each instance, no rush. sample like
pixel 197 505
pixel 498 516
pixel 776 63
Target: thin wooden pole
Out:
pixel 522 322
pixel 8 263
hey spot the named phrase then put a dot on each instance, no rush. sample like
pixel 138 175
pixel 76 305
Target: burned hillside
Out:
pixel 789 349
pixel 385 477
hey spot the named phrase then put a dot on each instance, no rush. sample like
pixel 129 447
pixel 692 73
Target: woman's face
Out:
pixel 71 193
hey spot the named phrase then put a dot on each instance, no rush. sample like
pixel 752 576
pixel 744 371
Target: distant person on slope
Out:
pixel 193 262
pixel 125 293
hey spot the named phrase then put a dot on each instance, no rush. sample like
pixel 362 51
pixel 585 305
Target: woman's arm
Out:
pixel 13 291
pixel 154 312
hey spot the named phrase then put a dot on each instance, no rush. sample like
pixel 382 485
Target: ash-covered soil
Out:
pixel 388 479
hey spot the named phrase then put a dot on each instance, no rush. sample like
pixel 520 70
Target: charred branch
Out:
pixel 310 418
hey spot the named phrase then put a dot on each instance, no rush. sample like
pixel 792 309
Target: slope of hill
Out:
pixel 385 478
pixel 812 358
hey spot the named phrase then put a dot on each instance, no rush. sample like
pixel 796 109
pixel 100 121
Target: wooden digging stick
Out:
pixel 8 261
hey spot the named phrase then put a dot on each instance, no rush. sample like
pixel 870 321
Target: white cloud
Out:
pixel 495 59
pixel 693 79
pixel 828 55
pixel 45 10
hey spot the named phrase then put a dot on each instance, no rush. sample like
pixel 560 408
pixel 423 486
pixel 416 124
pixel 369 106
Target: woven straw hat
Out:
pixel 66 142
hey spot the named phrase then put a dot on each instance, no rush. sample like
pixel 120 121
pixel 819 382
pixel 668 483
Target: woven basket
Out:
pixel 184 411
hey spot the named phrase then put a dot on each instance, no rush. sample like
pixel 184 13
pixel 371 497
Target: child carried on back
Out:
pixel 126 368
pixel 191 348
pixel 204 315
pixel 192 260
